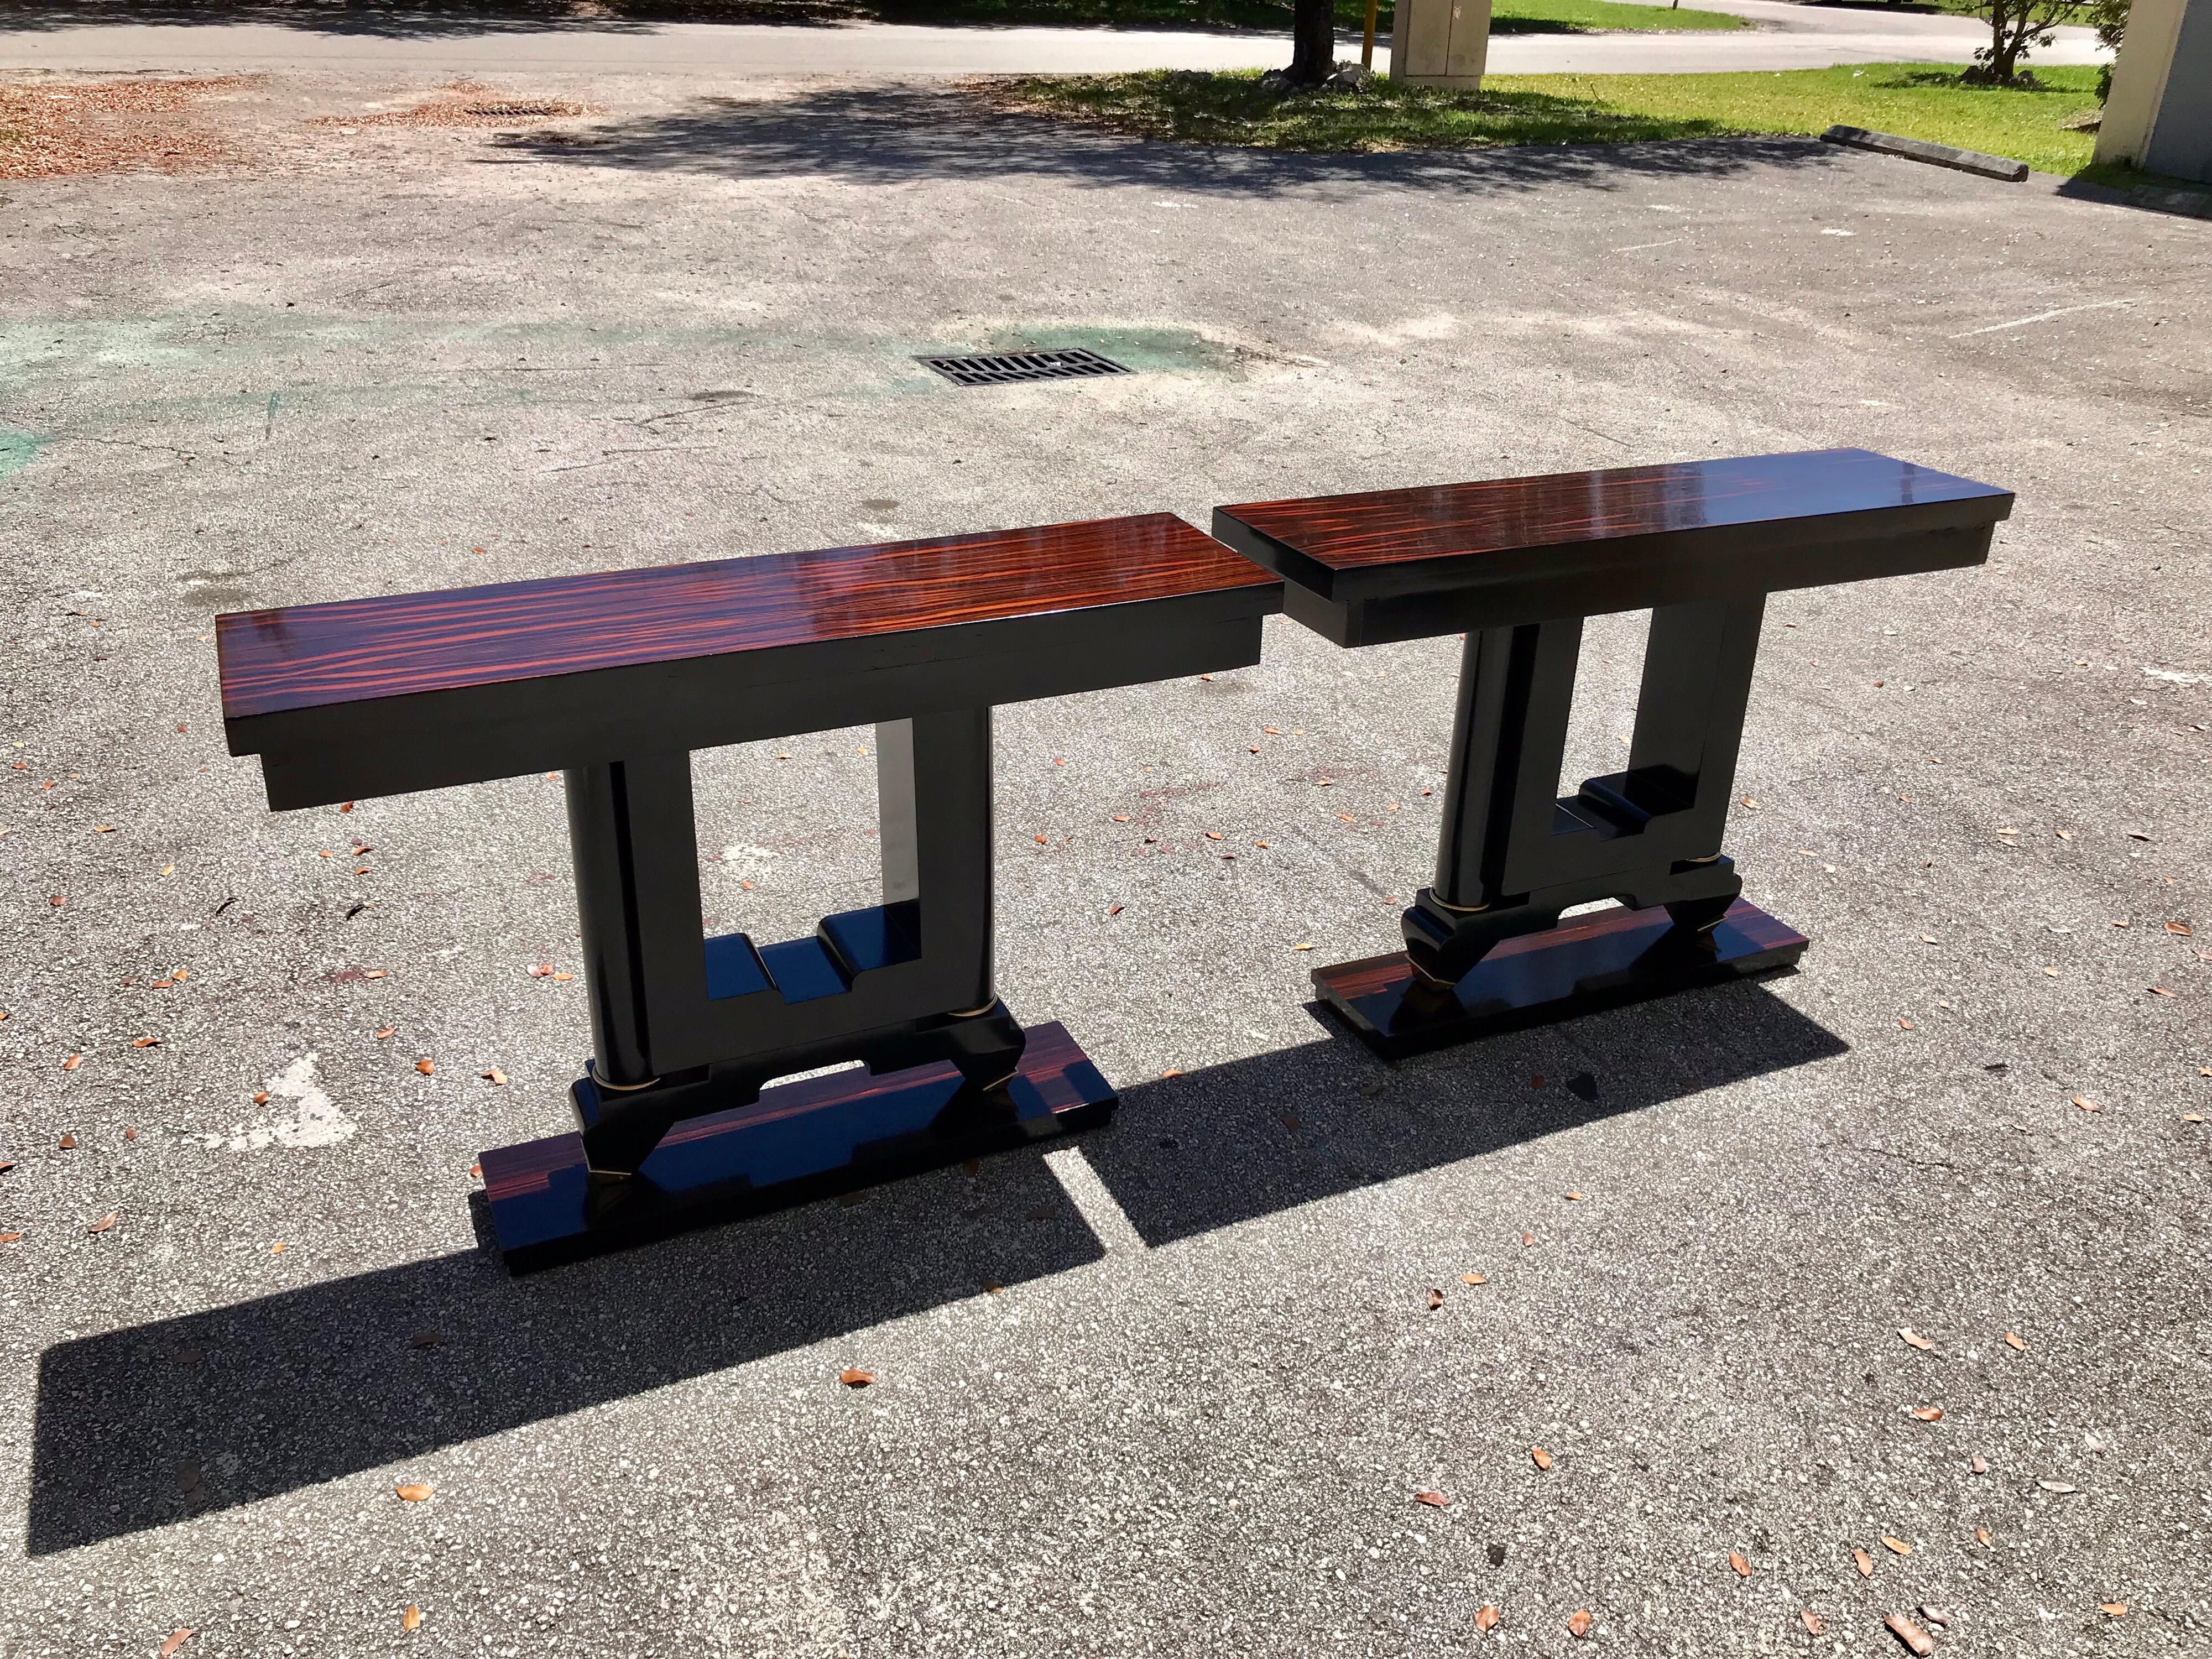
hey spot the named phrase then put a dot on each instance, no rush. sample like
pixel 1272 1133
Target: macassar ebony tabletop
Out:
pixel 1396 564
pixel 421 690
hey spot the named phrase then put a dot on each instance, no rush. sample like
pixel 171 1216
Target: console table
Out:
pixel 1517 564
pixel 613 679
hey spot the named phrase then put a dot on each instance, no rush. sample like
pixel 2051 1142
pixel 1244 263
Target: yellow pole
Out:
pixel 1367 46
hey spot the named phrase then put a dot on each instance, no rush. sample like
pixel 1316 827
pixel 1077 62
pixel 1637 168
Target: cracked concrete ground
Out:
pixel 1194 1417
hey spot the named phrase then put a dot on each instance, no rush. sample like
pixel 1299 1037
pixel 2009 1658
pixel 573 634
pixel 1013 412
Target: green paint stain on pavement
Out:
pixel 16 449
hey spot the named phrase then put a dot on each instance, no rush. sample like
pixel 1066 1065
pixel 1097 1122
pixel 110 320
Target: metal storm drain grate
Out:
pixel 508 112
pixel 1005 367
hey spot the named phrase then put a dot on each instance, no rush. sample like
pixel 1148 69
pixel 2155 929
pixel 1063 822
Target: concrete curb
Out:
pixel 1941 155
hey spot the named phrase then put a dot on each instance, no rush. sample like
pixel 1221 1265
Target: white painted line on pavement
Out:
pixel 2043 317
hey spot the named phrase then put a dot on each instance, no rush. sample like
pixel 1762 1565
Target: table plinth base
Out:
pixel 799 1141
pixel 1601 960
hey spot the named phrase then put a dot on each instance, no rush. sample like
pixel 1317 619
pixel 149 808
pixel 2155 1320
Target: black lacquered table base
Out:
pixel 799 1141
pixel 1599 960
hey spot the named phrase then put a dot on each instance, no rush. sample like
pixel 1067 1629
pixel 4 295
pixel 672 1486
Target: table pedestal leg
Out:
pixel 1485 945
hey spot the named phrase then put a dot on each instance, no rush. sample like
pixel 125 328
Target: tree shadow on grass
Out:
pixel 419 18
pixel 435 19
pixel 898 134
pixel 153 1423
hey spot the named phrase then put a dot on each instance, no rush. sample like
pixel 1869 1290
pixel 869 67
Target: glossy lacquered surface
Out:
pixel 1398 527
pixel 1602 960
pixel 798 1141
pixel 357 650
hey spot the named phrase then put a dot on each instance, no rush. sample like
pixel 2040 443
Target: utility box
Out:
pixel 2160 115
pixel 1443 43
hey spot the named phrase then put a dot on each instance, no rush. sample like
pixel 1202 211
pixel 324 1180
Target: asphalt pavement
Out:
pixel 1787 36
pixel 1171 1390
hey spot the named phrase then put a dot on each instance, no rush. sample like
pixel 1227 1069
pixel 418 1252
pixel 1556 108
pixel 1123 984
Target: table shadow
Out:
pixel 138 1427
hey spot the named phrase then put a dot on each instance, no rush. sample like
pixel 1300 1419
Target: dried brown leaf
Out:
pixel 1487 1617
pixel 1434 1500
pixel 261 1096
pixel 1811 1620
pixel 103 1224
pixel 1863 1562
pixel 2086 1104
pixel 1472 1279
pixel 1982 1536
pixel 2179 927
pixel 2113 1609
pixel 175 1639
pixel 1527 1239
pixel 145 1042
pixel 1927 1413
pixel 67 1143
pixel 1435 1299
pixel 72 1062
pixel 853 1377
pixel 493 1076
pixel 427 1066
pixel 1896 1546
pixel 1910 1634
pixel 1743 1567
pixel 411 1619
pixel 1579 1623
pixel 1539 1457
pixel 416 1492
pixel 1914 1338
pixel 2011 1341
pixel 9 1238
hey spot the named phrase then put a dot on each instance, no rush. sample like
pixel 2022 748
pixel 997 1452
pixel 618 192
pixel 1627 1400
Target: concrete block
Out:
pixel 1941 155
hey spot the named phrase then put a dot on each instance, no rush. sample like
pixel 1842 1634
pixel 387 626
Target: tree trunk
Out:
pixel 2004 46
pixel 1313 37
pixel 2011 23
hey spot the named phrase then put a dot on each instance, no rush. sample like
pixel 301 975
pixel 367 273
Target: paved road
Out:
pixel 1789 37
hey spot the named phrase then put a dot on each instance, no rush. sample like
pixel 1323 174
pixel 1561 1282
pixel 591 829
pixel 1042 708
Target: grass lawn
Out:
pixel 1575 17
pixel 1920 100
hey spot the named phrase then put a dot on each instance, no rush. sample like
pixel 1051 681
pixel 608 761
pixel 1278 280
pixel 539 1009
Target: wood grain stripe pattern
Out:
pixel 1505 515
pixel 360 650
